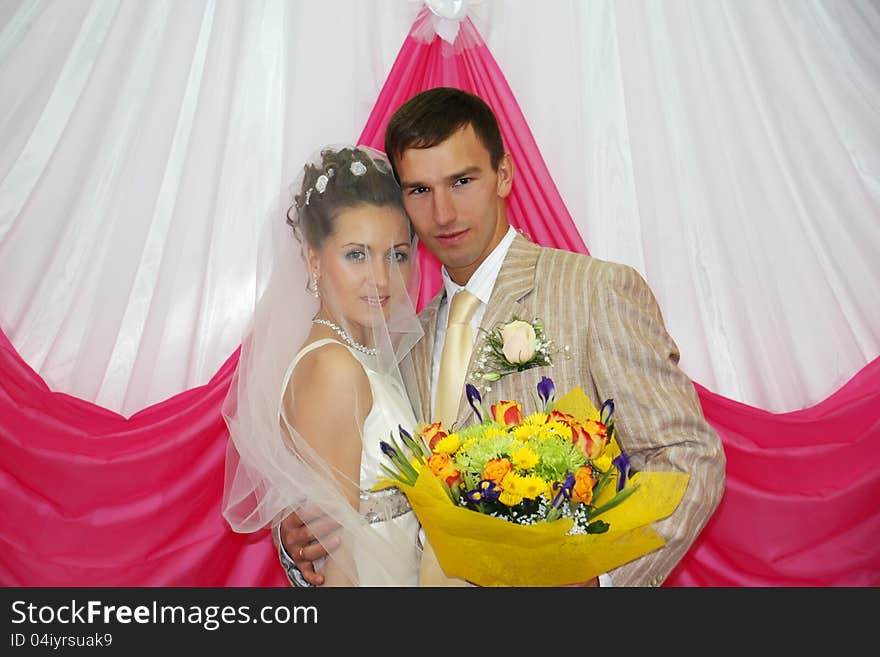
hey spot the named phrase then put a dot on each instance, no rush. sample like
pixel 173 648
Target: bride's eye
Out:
pixel 355 255
pixel 400 256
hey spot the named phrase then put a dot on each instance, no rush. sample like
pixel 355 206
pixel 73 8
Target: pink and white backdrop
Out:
pixel 728 150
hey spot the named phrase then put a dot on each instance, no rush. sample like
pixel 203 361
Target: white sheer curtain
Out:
pixel 729 150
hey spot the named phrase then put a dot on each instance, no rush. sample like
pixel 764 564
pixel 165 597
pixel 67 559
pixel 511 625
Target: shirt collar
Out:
pixel 482 281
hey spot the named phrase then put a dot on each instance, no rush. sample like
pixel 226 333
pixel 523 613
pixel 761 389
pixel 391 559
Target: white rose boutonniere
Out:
pixel 519 341
pixel 512 347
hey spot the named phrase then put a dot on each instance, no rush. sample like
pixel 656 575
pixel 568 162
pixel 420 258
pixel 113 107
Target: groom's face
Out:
pixel 455 200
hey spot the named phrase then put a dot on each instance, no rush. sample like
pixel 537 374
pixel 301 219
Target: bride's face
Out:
pixel 363 268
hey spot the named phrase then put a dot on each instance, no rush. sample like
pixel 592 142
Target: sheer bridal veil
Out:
pixel 365 297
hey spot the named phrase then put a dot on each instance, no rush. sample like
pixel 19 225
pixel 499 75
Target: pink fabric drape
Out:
pixel 800 505
pixel 94 499
pixel 91 498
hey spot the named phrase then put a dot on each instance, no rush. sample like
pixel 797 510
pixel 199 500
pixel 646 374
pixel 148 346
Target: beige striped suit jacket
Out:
pixel 620 349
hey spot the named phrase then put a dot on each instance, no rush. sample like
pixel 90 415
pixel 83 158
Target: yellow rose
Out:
pixel 520 341
pixel 603 462
pixel 431 434
pixel 599 434
pixel 591 437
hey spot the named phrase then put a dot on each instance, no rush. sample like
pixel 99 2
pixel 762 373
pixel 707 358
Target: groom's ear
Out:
pixel 505 175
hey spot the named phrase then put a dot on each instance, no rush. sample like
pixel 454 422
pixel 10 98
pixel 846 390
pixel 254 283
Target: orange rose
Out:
pixel 443 468
pixel 438 462
pixel 583 485
pixel 496 469
pixel 431 434
pixel 508 413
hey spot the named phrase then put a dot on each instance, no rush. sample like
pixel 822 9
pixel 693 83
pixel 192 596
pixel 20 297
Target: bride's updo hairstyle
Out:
pixel 343 179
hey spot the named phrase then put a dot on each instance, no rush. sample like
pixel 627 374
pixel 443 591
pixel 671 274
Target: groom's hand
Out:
pixel 300 533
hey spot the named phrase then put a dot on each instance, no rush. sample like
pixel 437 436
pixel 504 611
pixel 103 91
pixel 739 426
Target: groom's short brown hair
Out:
pixel 431 117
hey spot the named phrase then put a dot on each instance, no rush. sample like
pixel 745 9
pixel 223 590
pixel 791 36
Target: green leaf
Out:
pixel 415 448
pixel 606 476
pixel 395 475
pixel 598 527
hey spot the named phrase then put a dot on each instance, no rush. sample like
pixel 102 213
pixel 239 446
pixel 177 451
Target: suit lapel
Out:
pixel 515 282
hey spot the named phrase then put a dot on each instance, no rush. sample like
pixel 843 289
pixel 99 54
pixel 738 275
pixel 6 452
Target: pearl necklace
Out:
pixel 342 333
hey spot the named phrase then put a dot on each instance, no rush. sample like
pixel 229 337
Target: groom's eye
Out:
pixel 417 191
pixel 462 181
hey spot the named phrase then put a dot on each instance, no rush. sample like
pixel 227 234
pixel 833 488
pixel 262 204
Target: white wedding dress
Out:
pixel 387 511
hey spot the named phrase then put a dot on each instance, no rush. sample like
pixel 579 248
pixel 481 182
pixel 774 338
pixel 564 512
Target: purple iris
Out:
pixel 486 491
pixel 606 411
pixel 474 399
pixel 622 464
pixel 546 389
pixel 387 449
pixel 404 433
pixel 564 489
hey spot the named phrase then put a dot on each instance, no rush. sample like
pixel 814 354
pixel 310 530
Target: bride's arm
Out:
pixel 327 400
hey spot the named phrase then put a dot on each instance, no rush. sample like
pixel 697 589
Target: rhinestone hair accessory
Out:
pixel 321 184
pixel 357 168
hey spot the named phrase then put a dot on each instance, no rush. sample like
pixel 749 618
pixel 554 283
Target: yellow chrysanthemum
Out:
pixel 447 445
pixel 510 481
pixel 524 458
pixel 536 419
pixel 525 432
pixel 555 428
pixel 523 486
pixel 531 487
pixel 492 432
pixel 509 499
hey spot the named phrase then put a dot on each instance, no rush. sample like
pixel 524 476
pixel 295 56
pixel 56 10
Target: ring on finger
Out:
pixel 300 552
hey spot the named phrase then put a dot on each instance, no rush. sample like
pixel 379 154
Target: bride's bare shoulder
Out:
pixel 330 371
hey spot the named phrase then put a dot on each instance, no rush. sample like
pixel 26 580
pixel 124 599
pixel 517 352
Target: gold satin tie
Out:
pixel 454 360
pixel 457 348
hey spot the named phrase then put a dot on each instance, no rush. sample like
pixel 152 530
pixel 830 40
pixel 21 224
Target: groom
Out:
pixel 446 150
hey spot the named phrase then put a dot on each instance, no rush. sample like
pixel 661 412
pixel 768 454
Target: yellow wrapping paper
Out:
pixel 490 551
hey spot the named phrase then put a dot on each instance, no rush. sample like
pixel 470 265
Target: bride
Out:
pixel 315 392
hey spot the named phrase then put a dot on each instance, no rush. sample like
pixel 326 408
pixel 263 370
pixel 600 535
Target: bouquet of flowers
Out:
pixel 530 500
